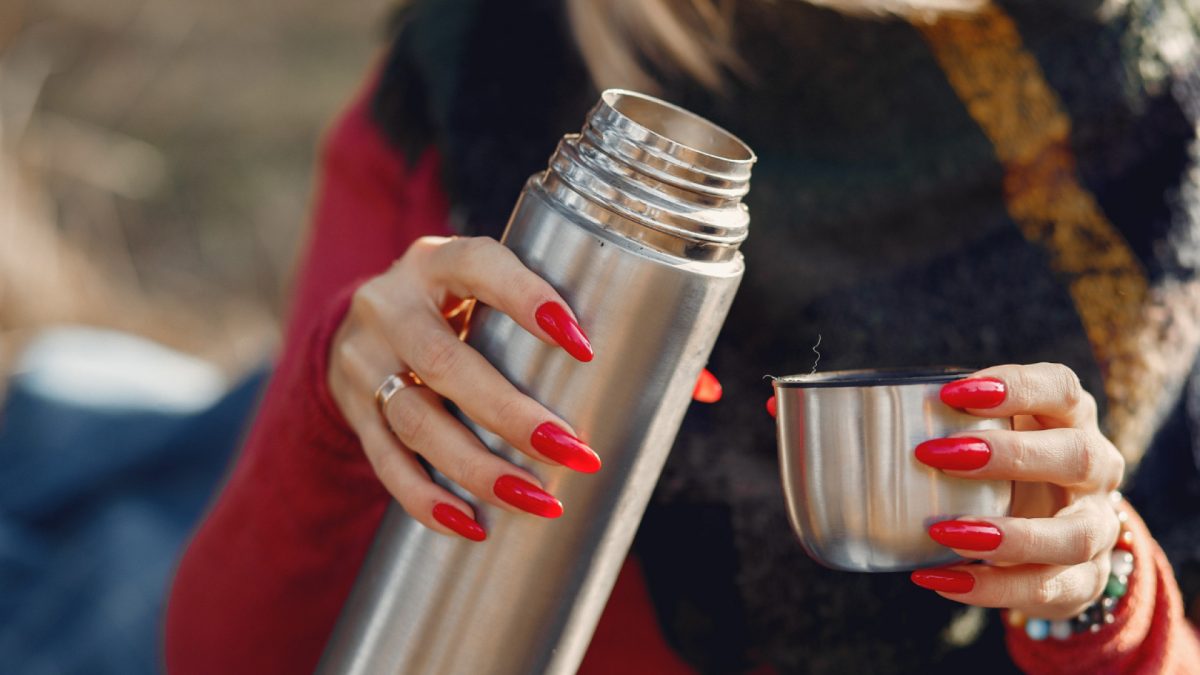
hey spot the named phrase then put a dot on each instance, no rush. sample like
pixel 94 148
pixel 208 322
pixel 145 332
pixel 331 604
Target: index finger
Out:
pixel 1049 391
pixel 483 268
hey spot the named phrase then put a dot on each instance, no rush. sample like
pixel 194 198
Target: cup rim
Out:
pixel 873 377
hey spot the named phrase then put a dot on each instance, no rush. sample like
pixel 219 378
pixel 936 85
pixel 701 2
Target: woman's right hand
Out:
pixel 401 322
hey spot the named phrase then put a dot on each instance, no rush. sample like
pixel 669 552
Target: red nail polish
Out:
pixel 966 535
pixel 708 388
pixel 772 406
pixel 947 581
pixel 459 522
pixel 558 323
pixel 974 392
pixel 956 454
pixel 554 442
pixel 527 497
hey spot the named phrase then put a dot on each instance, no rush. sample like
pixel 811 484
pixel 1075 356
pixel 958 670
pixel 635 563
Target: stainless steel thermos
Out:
pixel 636 222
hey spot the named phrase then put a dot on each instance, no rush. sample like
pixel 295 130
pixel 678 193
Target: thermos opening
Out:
pixel 678 125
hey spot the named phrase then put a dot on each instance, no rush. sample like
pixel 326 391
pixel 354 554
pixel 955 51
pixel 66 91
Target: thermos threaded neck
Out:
pixel 650 164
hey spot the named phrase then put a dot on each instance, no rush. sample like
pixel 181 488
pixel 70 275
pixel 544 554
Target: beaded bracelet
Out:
pixel 1098 614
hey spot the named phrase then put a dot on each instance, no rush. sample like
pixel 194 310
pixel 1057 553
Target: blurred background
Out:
pixel 156 162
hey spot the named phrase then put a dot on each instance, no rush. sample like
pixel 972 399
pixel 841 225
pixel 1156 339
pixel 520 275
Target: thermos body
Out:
pixel 638 229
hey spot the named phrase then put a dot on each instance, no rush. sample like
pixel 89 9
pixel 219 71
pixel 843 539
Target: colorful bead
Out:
pixel 1122 563
pixel 1016 618
pixel 1061 629
pixel 1116 587
pixel 1037 629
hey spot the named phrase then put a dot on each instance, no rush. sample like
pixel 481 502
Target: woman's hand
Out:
pixel 407 320
pixel 1051 558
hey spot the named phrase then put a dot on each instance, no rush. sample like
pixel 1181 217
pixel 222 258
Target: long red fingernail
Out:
pixel 527 497
pixel 966 535
pixel 558 323
pixel 956 454
pixel 708 388
pixel 974 392
pixel 772 406
pixel 554 442
pixel 459 522
pixel 946 581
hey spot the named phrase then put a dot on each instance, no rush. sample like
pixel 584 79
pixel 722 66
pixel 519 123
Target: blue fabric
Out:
pixel 95 507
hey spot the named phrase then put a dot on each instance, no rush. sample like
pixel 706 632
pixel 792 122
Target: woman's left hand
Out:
pixel 1051 557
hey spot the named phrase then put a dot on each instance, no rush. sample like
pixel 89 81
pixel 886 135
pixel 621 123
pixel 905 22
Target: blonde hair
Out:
pixel 693 38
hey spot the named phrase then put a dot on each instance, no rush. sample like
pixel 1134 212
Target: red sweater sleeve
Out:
pixel 263 579
pixel 1151 633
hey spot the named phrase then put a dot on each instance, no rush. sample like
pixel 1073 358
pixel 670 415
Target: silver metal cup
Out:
pixel 856 494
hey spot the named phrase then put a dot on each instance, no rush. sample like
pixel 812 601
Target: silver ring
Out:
pixel 394 383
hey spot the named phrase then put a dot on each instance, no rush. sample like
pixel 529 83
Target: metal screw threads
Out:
pixel 656 173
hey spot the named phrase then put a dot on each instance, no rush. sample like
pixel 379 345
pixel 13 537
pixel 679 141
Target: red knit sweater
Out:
pixel 262 581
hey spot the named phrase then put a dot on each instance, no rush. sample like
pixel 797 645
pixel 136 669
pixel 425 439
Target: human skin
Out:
pixel 1050 558
pixel 407 320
